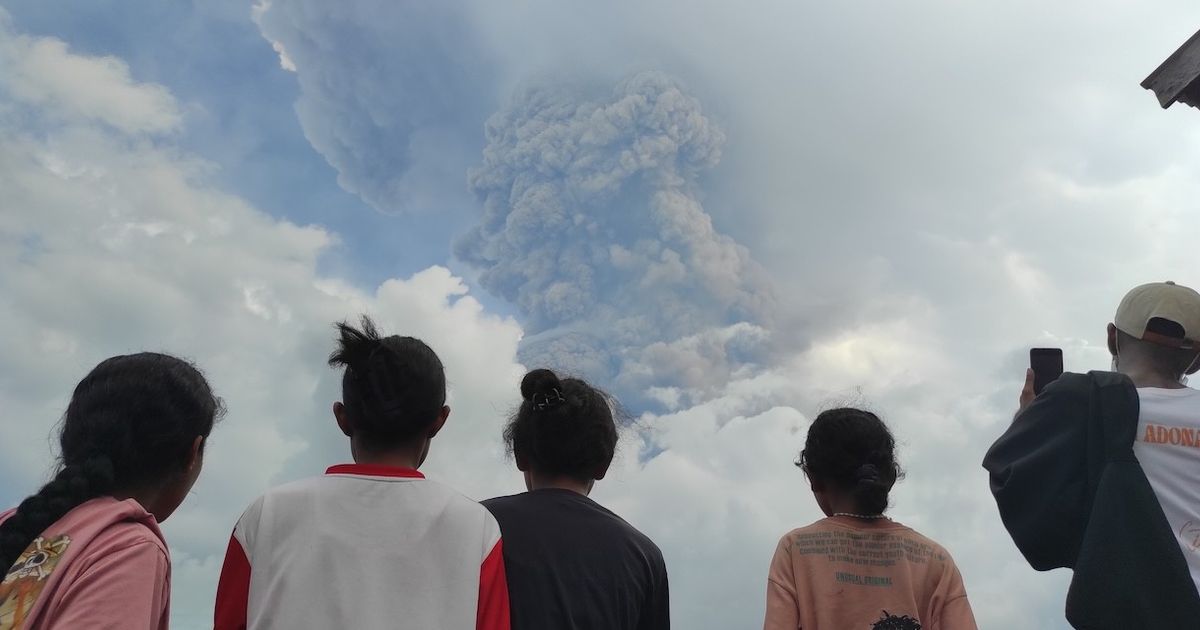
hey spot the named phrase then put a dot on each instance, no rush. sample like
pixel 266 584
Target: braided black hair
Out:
pixel 854 450
pixel 130 425
pixel 563 426
pixel 393 388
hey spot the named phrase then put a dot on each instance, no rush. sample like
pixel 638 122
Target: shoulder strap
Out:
pixel 1113 409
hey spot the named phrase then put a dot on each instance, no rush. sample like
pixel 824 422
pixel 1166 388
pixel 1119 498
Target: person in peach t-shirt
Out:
pixel 858 569
pixel 85 551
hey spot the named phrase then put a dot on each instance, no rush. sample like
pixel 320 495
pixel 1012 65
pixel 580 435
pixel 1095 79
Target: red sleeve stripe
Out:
pixel 493 592
pixel 233 590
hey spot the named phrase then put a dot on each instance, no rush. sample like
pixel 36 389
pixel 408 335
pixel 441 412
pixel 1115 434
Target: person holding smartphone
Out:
pixel 1101 472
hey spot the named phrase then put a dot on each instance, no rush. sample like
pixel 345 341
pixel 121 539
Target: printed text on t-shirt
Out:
pixel 865 549
pixel 1175 436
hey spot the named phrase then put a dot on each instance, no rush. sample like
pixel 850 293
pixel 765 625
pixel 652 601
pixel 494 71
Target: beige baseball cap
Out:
pixel 1164 300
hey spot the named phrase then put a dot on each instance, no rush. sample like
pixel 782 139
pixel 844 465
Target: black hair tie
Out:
pixel 867 472
pixel 543 401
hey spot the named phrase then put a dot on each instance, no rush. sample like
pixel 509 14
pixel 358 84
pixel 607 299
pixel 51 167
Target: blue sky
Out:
pixel 731 216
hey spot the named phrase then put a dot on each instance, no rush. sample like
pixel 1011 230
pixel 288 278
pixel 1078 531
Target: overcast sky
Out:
pixel 730 214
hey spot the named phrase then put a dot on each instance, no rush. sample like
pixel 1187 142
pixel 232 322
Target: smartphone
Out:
pixel 1047 364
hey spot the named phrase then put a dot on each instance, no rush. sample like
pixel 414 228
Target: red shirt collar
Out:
pixel 374 470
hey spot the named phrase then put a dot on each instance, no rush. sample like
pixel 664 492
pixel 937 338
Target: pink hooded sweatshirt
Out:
pixel 104 565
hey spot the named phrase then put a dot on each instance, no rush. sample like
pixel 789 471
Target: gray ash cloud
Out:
pixel 593 226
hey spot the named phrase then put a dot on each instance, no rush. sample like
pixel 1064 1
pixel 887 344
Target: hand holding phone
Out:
pixel 1047 365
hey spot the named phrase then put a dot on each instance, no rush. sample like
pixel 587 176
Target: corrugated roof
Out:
pixel 1191 94
pixel 1178 78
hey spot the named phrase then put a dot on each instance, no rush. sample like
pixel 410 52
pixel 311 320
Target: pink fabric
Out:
pixel 104 565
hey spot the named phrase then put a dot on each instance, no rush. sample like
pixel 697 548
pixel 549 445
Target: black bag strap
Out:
pixel 1115 410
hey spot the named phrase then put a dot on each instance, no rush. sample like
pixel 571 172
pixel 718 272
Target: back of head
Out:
pixel 854 451
pixel 564 427
pixel 393 388
pixel 1159 323
pixel 130 426
pixel 1168 361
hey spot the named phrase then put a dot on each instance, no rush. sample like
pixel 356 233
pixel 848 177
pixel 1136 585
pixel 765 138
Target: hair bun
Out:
pixel 539 382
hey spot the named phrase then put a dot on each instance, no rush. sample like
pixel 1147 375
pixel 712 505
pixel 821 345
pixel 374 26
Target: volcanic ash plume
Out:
pixel 593 226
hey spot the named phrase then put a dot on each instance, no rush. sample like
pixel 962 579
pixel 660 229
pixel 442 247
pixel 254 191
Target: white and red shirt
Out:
pixel 364 547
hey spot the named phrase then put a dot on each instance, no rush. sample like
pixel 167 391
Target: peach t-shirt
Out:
pixel 844 573
pixel 102 566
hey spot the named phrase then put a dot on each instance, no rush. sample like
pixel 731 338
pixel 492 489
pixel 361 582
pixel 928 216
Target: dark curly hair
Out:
pixel 393 388
pixel 853 450
pixel 563 426
pixel 892 622
pixel 131 424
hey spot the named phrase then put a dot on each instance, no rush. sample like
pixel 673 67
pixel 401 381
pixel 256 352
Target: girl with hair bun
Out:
pixel 372 544
pixel 85 551
pixel 571 563
pixel 857 568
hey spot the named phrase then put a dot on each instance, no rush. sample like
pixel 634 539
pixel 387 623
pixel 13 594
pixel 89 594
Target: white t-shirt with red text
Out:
pixel 1168 448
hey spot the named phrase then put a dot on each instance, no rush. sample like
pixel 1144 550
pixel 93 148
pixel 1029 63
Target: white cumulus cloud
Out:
pixel 43 72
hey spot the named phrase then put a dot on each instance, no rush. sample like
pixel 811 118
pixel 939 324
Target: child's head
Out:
pixel 393 390
pixel 851 452
pixel 135 427
pixel 563 428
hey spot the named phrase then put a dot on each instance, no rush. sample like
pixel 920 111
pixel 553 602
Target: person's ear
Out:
pixel 522 461
pixel 600 471
pixel 343 419
pixel 196 456
pixel 439 423
pixel 1112 339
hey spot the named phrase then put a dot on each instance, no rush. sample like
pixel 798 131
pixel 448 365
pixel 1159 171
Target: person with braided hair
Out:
pixel 857 568
pixel 572 564
pixel 373 544
pixel 85 551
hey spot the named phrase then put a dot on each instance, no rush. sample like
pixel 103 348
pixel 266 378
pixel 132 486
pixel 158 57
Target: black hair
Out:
pixel 393 388
pixel 894 622
pixel 1169 362
pixel 130 425
pixel 853 450
pixel 563 426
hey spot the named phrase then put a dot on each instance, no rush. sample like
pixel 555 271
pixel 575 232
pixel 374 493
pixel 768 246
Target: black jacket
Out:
pixel 1072 494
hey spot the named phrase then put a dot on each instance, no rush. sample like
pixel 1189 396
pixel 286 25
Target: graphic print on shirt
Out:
pixel 1189 533
pixel 27 577
pixel 893 622
pixel 864 552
